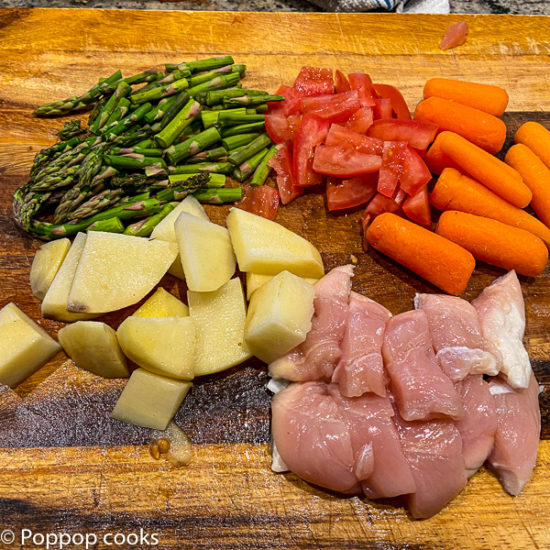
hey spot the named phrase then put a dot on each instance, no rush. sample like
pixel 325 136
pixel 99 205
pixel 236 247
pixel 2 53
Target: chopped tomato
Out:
pixel 312 132
pixel 261 200
pixel 281 128
pixel 415 173
pixel 382 109
pixel 393 156
pixel 361 120
pixel 380 204
pixel 281 162
pixel 418 134
pixel 363 84
pixel 341 83
pixel 417 207
pixel 454 36
pixel 290 105
pixel 398 103
pixel 312 81
pixel 334 107
pixel 351 192
pixel 340 135
pixel 342 161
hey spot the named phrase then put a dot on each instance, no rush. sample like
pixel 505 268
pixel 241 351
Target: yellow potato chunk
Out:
pixel 266 247
pixel 93 346
pixel 206 253
pixel 219 319
pixel 46 264
pixel 24 346
pixel 163 345
pixel 56 299
pixel 165 229
pixel 279 316
pixel 162 304
pixel 255 281
pixel 116 271
pixel 150 400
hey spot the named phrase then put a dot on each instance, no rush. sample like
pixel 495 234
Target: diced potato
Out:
pixel 24 346
pixel 219 319
pixel 93 346
pixel 46 264
pixel 150 400
pixel 162 304
pixel 163 345
pixel 55 301
pixel 255 281
pixel 279 316
pixel 206 253
pixel 165 229
pixel 116 271
pixel 266 247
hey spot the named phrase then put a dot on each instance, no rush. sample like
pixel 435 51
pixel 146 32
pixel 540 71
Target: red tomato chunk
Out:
pixel 344 161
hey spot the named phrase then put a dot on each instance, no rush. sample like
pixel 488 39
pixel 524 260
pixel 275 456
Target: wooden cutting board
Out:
pixel 65 467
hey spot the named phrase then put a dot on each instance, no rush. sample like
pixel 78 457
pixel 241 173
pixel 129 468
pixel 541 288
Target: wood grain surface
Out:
pixel 66 467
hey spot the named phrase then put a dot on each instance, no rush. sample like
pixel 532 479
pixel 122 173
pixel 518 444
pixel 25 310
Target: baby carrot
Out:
pixel 436 160
pixel 481 128
pixel 488 98
pixel 455 191
pixel 488 170
pixel 436 259
pixel 537 138
pixel 494 242
pixel 535 174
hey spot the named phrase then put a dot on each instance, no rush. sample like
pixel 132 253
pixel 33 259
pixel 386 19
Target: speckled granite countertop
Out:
pixel 526 7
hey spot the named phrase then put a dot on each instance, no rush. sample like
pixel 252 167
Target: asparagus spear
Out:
pixel 210 118
pixel 112 225
pixel 210 63
pixel 76 103
pixel 244 170
pixel 122 90
pixel 230 118
pixel 262 171
pixel 252 127
pixel 199 78
pixel 251 100
pixel 193 145
pixel 143 96
pixel 181 188
pixel 238 157
pixel 119 112
pixel 216 153
pixel 105 199
pixel 70 129
pixel 133 162
pixel 158 111
pixel 233 142
pixel 217 96
pixel 179 103
pixel 173 130
pixel 145 227
pixel 221 81
pixel 124 124
pixel 212 180
pixel 217 167
pixel 219 196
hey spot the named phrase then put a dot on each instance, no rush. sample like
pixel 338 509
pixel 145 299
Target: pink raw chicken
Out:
pixel 421 390
pixel 456 336
pixel 501 312
pixel 434 453
pixel 337 442
pixel 361 368
pixel 518 431
pixel 478 425
pixel 316 358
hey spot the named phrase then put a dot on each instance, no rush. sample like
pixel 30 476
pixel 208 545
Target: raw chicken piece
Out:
pixel 422 391
pixel 337 442
pixel 456 336
pixel 316 358
pixel 478 425
pixel 361 368
pixel 501 312
pixel 312 438
pixel 518 431
pixel 434 452
pixel 369 419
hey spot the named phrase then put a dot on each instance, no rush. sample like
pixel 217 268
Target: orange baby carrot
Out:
pixel 494 242
pixel 436 259
pixel 535 174
pixel 481 128
pixel 537 138
pixel 488 170
pixel 488 98
pixel 456 191
pixel 436 160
